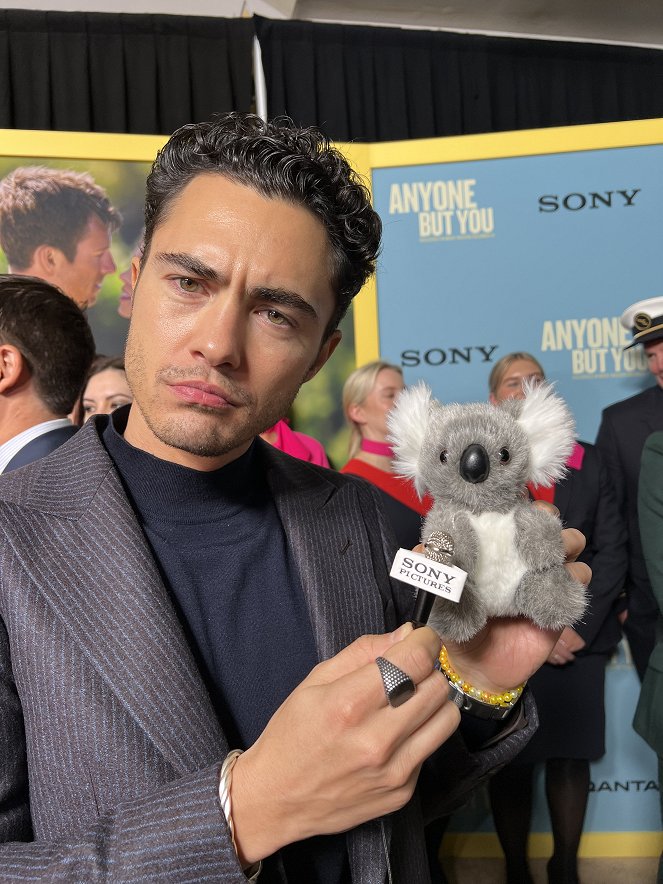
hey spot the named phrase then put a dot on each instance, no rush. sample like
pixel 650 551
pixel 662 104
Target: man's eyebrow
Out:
pixel 284 298
pixel 188 264
pixel 277 296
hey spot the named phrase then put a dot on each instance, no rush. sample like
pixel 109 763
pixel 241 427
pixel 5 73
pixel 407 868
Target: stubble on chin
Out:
pixel 203 438
pixel 197 429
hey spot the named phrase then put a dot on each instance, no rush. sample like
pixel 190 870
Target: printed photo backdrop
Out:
pixel 124 182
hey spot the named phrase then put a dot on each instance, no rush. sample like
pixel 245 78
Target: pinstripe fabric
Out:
pixel 100 700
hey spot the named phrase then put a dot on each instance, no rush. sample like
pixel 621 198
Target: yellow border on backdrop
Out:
pixel 365 306
pixel 594 845
pixel 79 145
pixel 466 148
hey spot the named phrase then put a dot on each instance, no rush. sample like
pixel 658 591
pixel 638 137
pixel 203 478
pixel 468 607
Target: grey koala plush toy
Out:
pixel 475 460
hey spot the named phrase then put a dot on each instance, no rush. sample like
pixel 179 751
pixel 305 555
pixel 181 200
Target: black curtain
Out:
pixel 382 84
pixel 98 72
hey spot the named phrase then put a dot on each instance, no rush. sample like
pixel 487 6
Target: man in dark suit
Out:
pixel 46 349
pixel 625 427
pixel 212 574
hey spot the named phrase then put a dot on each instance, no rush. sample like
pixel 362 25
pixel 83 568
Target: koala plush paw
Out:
pixel 551 598
pixel 458 621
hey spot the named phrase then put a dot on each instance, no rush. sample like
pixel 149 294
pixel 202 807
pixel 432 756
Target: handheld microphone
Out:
pixel 439 548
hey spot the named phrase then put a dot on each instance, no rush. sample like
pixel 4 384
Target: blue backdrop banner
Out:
pixel 531 242
pixel 535 253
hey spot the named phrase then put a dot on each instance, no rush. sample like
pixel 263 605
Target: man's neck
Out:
pixel 21 416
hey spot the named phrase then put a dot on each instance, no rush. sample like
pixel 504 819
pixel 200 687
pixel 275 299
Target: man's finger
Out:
pixel 544 505
pixel 366 649
pixel 580 572
pixel 415 657
pixel 574 543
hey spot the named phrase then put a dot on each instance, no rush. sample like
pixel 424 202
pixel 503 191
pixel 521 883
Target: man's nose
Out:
pixel 219 335
pixel 108 265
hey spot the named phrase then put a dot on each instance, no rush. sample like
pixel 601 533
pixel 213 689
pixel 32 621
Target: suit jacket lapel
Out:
pixel 97 574
pixel 331 549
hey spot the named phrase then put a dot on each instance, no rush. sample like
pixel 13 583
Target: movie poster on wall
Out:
pixel 118 165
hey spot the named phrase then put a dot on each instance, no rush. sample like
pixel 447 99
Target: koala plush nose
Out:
pixel 474 464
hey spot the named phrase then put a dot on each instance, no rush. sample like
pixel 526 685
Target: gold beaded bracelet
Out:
pixel 505 700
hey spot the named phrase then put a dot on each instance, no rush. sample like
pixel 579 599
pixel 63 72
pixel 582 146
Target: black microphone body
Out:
pixel 423 605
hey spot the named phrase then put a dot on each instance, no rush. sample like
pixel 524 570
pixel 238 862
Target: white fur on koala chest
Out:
pixel 499 567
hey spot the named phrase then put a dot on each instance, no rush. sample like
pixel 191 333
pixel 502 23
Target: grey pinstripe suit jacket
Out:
pixel 109 747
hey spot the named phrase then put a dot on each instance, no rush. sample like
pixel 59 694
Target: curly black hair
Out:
pixel 279 160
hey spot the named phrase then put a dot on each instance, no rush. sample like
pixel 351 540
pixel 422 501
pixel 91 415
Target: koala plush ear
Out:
pixel 550 428
pixel 407 422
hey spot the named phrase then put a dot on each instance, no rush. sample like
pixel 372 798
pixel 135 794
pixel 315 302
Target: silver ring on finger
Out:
pixel 398 686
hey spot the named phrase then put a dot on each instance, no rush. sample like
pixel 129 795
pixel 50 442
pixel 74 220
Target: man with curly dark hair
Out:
pixel 164 711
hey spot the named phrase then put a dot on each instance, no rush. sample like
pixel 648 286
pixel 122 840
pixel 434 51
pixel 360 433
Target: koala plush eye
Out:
pixel 443 455
pixel 504 455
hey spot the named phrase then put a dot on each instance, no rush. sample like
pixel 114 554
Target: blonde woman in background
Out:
pixel 368 396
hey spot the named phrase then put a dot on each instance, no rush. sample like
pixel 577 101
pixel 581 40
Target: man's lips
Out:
pixel 202 394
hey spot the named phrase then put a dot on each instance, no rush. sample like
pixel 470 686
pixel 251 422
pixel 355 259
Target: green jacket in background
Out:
pixel 648 721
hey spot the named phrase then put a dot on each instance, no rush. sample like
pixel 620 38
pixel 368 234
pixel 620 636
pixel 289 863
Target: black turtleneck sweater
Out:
pixel 223 556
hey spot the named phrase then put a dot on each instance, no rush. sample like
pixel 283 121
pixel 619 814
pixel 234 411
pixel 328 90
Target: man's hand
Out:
pixel 335 754
pixel 565 650
pixel 508 650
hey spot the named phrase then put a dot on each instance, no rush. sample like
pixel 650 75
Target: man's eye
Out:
pixel 275 317
pixel 188 285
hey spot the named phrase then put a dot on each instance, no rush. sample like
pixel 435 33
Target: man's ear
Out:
pixel 46 261
pixel 135 273
pixel 12 366
pixel 326 351
pixel 135 270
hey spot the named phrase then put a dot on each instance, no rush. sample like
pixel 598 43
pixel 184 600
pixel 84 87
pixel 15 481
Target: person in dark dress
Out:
pixel 569 688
